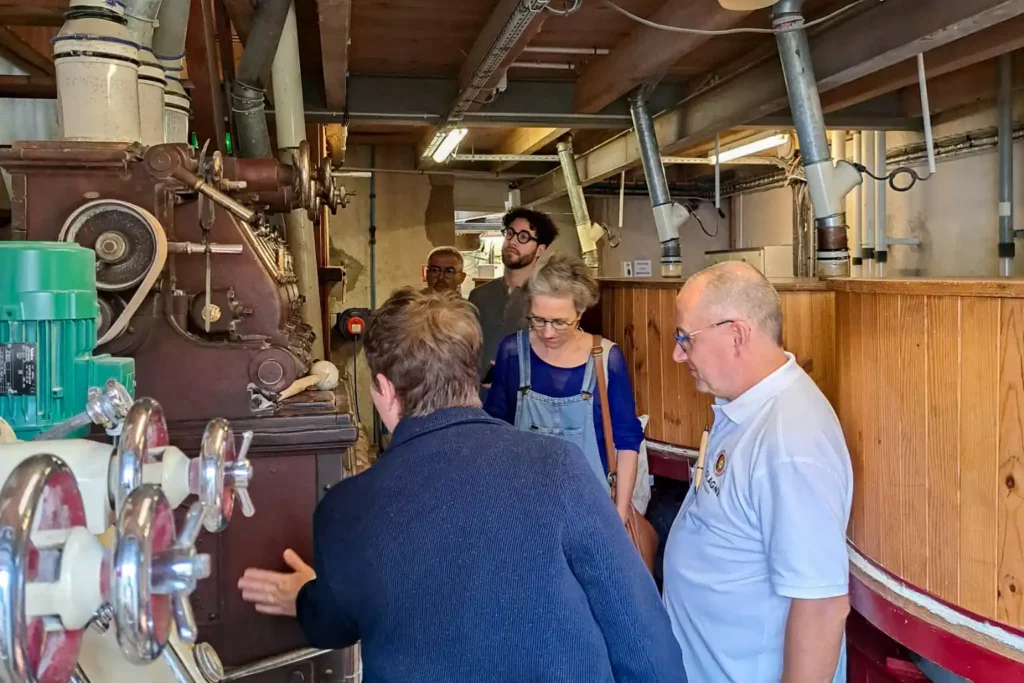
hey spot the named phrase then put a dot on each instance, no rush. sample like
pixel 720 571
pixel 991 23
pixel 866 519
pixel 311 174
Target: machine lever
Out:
pixel 106 407
pixel 197 248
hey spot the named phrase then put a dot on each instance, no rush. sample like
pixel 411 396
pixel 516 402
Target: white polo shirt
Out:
pixel 767 525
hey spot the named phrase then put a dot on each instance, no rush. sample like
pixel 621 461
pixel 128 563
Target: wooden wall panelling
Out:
pixel 672 428
pixel 912 432
pixel 873 480
pixel 852 417
pixel 1010 594
pixel 943 447
pixel 979 413
pixel 842 401
pixel 638 311
pixel 887 444
pixel 656 361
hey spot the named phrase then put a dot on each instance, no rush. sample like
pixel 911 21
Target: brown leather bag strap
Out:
pixel 606 417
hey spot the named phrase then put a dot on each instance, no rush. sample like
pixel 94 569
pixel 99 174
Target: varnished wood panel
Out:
pixel 1010 593
pixel 640 317
pixel 930 393
pixel 979 412
pixel 912 434
pixel 943 454
pixel 888 479
pixel 656 359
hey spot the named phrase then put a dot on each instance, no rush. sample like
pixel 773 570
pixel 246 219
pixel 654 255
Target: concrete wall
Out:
pixel 955 213
pixel 414 214
pixel 639 236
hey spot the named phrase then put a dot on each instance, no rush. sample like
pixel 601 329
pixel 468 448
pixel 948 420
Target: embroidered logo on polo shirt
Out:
pixel 713 482
pixel 720 464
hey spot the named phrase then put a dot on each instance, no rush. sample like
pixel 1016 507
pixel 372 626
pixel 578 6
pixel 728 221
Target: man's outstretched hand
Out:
pixel 275 592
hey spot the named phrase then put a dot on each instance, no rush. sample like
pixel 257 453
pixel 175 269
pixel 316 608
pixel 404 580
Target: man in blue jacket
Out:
pixel 470 551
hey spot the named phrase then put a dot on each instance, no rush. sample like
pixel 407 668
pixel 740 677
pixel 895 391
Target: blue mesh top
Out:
pixel 557 382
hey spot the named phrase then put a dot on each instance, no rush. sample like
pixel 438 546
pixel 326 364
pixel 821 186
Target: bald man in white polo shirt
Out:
pixel 756 570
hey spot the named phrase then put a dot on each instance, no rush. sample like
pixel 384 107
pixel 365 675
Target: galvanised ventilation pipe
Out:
pixel 1007 248
pixel 668 216
pixel 827 183
pixel 589 232
pixel 247 92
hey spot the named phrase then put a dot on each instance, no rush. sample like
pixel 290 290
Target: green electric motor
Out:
pixel 48 316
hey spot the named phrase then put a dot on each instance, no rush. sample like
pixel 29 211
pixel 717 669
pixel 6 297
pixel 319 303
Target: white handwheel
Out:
pixel 40 508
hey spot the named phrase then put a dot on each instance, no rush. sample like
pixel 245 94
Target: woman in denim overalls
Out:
pixel 545 379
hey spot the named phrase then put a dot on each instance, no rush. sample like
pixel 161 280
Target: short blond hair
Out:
pixel 565 276
pixel 428 345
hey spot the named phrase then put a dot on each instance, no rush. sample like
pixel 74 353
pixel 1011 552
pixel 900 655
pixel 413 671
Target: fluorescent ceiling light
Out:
pixel 751 148
pixel 448 145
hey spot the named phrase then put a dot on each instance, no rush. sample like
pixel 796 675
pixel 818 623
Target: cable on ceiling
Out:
pixel 729 31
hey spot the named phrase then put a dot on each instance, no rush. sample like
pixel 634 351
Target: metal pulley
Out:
pixel 122 235
pixel 153 573
pixel 224 473
pixel 143 437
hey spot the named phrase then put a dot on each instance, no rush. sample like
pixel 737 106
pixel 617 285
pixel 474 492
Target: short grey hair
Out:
pixel 565 276
pixel 738 289
pixel 450 251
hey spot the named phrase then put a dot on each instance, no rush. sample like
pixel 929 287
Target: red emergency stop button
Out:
pixel 355 326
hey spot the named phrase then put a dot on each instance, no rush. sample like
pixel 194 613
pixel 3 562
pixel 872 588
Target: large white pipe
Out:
pixel 290 124
pixel 881 208
pixel 169 49
pixel 868 206
pixel 97 70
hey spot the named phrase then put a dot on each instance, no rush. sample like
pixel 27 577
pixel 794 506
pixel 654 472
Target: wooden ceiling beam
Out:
pixel 960 54
pixel 647 51
pixel 201 57
pixel 30 15
pixel 974 84
pixel 525 141
pixel 31 87
pixel 335 24
pixel 23 54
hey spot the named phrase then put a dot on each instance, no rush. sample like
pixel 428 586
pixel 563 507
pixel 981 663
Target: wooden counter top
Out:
pixel 782 285
pixel 983 287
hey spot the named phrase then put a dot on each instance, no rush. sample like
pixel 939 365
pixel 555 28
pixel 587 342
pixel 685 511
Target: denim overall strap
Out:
pixel 570 418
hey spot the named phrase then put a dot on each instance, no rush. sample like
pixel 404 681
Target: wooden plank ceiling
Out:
pixel 426 39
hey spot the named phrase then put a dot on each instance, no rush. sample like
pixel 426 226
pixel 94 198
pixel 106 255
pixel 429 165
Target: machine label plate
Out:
pixel 17 369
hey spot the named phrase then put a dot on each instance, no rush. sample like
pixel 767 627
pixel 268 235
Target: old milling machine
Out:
pixel 195 301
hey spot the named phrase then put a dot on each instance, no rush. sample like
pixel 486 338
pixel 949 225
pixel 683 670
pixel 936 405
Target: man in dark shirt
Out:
pixel 470 551
pixel 501 305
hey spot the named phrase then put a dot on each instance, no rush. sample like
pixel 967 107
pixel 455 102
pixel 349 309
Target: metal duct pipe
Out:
pixel 142 16
pixel 828 184
pixel 247 92
pixel 1007 249
pixel 169 49
pixel 881 206
pixel 584 227
pixel 668 216
pixel 867 236
pixel 290 124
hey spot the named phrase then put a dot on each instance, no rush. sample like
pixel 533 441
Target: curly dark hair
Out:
pixel 538 220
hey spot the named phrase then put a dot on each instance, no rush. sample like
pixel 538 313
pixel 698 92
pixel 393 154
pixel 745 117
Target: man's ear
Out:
pixel 741 334
pixel 462 277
